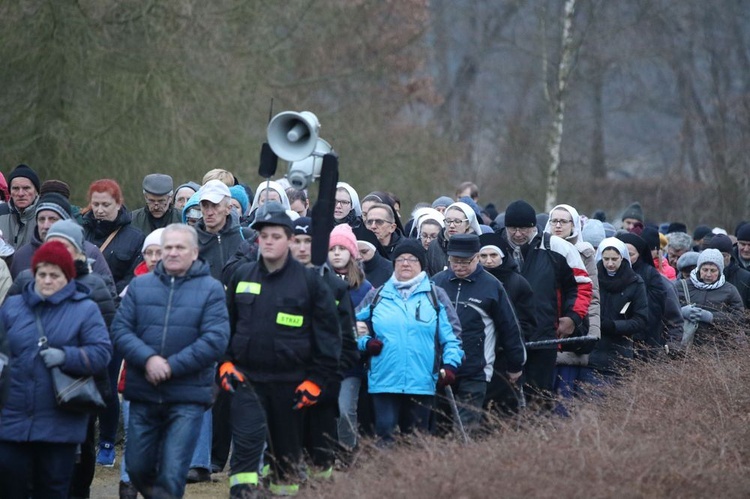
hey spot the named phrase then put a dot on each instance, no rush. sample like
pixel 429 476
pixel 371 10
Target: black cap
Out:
pixel 701 231
pixel 272 213
pixel 520 214
pixel 53 201
pixel 463 245
pixel 721 242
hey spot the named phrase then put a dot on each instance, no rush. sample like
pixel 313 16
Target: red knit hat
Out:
pixel 342 235
pixel 54 253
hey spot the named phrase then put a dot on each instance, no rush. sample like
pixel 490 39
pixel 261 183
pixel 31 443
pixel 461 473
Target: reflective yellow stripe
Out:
pixel 266 471
pixel 284 490
pixel 243 479
pixel 289 320
pixel 248 287
pixel 323 474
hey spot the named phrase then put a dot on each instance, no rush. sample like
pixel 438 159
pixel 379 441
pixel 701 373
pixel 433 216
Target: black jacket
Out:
pixel 740 278
pixel 216 249
pixel 123 253
pixel 488 322
pixel 437 254
pixel 283 323
pixel 520 294
pixel 624 313
pixel 378 269
pixel 562 287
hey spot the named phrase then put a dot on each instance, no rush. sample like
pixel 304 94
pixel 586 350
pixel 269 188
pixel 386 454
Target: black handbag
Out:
pixel 76 394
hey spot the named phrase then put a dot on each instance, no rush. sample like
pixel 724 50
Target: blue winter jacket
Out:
pixel 183 319
pixel 73 323
pixel 407 329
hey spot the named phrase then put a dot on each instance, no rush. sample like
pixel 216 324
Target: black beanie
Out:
pixel 721 242
pixel 743 233
pixel 677 227
pixel 520 214
pixel 651 236
pixel 413 247
pixel 25 172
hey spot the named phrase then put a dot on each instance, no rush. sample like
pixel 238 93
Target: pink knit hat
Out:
pixel 342 235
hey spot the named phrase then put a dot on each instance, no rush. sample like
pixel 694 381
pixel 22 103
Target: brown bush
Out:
pixel 676 429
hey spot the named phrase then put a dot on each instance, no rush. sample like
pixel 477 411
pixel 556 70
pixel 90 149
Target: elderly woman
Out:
pixel 403 322
pixel 707 299
pixel 459 219
pixel 38 439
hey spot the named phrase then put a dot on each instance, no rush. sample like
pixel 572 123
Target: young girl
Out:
pixel 342 257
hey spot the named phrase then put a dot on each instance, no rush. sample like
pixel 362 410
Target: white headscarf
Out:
pixel 470 215
pixel 573 237
pixel 274 186
pixel 356 206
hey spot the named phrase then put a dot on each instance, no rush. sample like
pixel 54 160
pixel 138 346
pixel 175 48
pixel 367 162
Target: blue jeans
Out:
pixel 408 412
pixel 348 400
pixel 202 455
pixel 161 442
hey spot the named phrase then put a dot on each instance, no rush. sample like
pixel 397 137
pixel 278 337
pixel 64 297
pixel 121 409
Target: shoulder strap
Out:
pixel 687 291
pixel 375 300
pixel 109 240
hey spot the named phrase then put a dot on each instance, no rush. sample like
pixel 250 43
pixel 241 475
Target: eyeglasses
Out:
pixel 376 221
pixel 461 262
pixel 555 221
pixel 406 260
pixel 157 202
pixel 342 203
pixel 455 221
pixel 428 237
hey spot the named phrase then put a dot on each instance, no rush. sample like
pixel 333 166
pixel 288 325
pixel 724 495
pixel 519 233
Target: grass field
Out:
pixel 677 428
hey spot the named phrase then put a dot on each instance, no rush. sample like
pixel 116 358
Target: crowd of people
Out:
pixel 216 343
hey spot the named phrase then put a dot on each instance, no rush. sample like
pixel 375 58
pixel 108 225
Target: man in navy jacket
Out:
pixel 488 323
pixel 172 328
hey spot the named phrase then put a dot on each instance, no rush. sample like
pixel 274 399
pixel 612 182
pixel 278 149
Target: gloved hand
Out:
pixel 700 315
pixel 230 376
pixel 306 394
pixel 52 357
pixel 374 346
pixel 687 311
pixel 447 376
pixel 607 326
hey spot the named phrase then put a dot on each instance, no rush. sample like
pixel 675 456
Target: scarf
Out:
pixel 617 282
pixel 702 285
pixel 406 288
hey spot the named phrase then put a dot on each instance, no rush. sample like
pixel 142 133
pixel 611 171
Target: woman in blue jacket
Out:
pixel 410 339
pixel 38 440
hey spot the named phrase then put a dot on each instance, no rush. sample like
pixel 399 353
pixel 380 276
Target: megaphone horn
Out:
pixel 293 136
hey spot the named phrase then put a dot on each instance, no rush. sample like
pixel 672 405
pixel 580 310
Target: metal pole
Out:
pixel 454 409
pixel 559 341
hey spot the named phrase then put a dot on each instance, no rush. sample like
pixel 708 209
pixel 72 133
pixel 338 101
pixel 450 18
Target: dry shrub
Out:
pixel 669 429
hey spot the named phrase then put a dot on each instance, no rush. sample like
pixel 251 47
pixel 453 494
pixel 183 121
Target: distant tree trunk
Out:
pixel 556 131
pixel 598 158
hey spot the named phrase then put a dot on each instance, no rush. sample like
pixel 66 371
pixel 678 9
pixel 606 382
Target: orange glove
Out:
pixel 306 394
pixel 230 376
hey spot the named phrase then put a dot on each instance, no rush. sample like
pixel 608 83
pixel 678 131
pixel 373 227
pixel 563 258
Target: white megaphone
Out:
pixel 303 172
pixel 293 136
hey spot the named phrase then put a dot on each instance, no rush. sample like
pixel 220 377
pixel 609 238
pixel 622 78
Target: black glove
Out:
pixel 608 326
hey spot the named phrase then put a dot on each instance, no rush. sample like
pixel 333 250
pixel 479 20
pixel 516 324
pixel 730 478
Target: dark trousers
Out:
pixel 83 473
pixel 408 412
pixel 48 466
pixel 539 378
pixel 109 418
pixel 222 429
pixel 261 410
pixel 321 429
pixel 161 442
